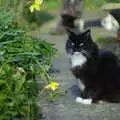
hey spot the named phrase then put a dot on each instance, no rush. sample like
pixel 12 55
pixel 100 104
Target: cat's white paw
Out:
pixel 83 101
pixel 101 102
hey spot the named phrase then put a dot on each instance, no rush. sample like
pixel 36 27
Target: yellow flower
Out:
pixel 36 5
pixel 52 86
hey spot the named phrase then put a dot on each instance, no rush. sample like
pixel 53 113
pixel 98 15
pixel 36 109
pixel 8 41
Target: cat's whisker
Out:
pixel 84 52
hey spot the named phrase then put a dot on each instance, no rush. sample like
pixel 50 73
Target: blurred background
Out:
pixel 49 10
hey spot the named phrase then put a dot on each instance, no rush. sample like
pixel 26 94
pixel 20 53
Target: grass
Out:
pixel 100 39
pixel 98 3
pixel 51 5
pixel 25 18
pixel 94 3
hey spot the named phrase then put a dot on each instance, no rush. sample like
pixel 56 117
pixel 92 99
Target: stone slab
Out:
pixel 111 6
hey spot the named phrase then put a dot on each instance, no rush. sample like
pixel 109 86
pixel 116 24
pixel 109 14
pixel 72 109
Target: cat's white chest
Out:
pixel 77 59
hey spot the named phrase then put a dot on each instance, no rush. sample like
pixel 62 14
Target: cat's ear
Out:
pixel 70 32
pixel 87 33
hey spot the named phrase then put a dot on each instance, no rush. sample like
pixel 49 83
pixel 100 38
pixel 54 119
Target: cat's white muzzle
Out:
pixel 77 59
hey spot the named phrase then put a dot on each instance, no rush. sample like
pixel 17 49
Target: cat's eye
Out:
pixel 72 44
pixel 82 44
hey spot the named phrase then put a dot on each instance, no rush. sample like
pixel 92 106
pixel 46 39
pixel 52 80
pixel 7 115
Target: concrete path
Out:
pixel 65 107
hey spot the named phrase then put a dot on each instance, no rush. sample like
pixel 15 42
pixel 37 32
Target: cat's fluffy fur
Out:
pixel 97 70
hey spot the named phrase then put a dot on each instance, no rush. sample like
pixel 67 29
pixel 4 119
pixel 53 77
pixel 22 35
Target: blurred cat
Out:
pixel 109 22
pixel 98 70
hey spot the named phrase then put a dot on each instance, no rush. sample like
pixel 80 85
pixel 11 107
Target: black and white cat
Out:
pixel 98 71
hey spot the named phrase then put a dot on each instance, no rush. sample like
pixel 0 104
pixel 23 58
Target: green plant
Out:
pixel 24 17
pixel 22 57
pixel 52 5
pixel 94 3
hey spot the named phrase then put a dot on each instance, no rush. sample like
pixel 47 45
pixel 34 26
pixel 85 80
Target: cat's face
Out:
pixel 80 48
pixel 79 43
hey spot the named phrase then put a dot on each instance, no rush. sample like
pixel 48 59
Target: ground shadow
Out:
pixel 38 17
pixel 113 97
pixel 44 17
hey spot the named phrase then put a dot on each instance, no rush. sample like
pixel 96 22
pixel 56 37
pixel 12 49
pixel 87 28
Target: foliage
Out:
pixel 52 5
pixel 21 58
pixel 40 14
pixel 24 17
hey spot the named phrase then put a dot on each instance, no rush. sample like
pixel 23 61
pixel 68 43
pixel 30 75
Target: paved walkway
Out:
pixel 65 107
